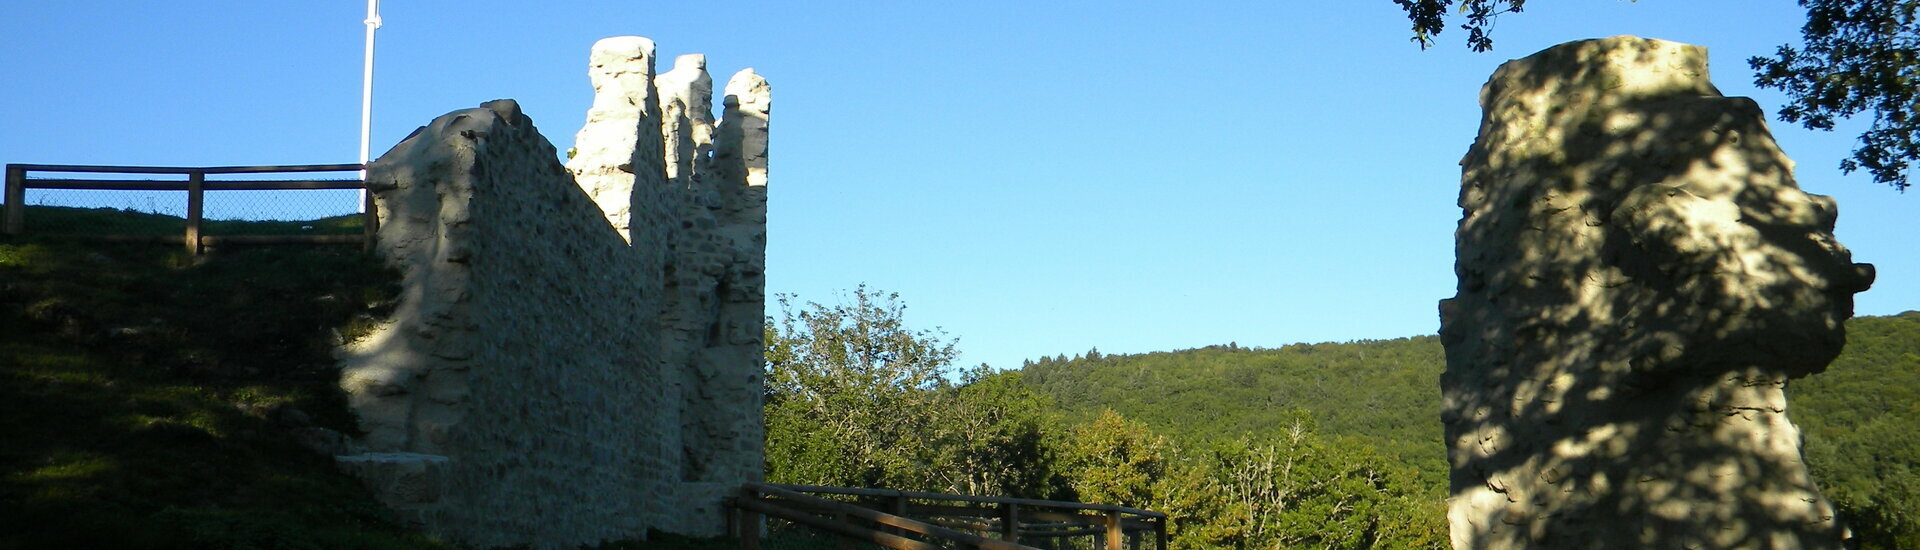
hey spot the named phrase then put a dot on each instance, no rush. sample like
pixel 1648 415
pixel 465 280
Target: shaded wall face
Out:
pixel 1639 277
pixel 510 367
pixel 576 355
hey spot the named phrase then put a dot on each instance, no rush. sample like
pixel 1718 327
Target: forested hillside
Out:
pixel 1861 418
pixel 1385 392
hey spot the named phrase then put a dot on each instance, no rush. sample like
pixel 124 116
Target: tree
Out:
pixel 857 398
pixel 851 394
pixel 1305 490
pixel 1430 17
pixel 992 438
pixel 1859 57
pixel 1114 460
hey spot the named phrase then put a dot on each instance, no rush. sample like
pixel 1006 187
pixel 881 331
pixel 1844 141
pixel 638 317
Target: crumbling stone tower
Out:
pixel 576 353
pixel 1640 278
pixel 690 193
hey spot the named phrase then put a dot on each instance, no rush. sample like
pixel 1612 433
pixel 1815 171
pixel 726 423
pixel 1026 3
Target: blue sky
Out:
pixel 1036 178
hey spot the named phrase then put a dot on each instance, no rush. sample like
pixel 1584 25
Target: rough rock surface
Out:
pixel 576 352
pixel 1639 279
pixel 701 232
pixel 617 155
pixel 513 351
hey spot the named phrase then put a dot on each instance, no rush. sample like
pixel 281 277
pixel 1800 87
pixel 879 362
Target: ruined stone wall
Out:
pixel 1639 279
pixel 700 222
pixel 576 353
pixel 512 365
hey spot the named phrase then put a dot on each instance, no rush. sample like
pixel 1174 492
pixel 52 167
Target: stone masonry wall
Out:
pixel 700 219
pixel 513 354
pixel 576 353
pixel 1640 279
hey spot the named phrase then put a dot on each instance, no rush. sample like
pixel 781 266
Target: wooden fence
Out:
pixel 907 520
pixel 196 185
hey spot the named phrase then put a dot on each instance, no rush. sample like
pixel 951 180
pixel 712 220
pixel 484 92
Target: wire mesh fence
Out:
pixel 167 210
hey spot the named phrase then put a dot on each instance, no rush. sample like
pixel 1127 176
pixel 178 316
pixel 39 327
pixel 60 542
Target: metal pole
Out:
pixel 366 97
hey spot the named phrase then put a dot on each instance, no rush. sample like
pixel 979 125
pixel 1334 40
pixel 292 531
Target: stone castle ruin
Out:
pixel 576 352
pixel 1639 280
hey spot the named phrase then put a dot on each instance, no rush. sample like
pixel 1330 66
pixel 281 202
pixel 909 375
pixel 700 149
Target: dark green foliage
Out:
pixel 1860 56
pixel 1384 393
pixel 147 399
pixel 994 438
pixel 1430 18
pixel 850 392
pixel 1296 490
pixel 1861 418
pixel 1304 490
pixel 856 398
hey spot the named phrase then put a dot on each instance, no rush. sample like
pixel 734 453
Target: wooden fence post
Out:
pixel 1010 522
pixel 16 200
pixel 749 522
pixel 841 542
pixel 1160 529
pixel 1114 540
pixel 899 502
pixel 196 199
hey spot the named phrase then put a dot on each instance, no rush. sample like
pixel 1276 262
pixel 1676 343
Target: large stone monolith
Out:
pixel 1639 279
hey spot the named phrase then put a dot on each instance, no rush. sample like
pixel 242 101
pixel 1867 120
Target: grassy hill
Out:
pixel 1861 418
pixel 154 400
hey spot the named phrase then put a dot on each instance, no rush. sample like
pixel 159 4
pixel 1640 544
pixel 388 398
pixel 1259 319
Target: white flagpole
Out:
pixel 366 96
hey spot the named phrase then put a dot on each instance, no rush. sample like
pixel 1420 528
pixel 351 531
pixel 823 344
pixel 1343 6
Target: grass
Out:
pixel 150 400
pixel 111 221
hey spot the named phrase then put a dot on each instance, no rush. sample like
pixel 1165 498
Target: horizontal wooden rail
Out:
pixel 1068 532
pixel 965 498
pixel 883 518
pixel 94 169
pixel 957 518
pixel 211 240
pixel 895 542
pixel 210 185
pixel 195 185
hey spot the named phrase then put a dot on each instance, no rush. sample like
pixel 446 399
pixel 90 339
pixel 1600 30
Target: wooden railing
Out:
pixel 908 520
pixel 196 185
